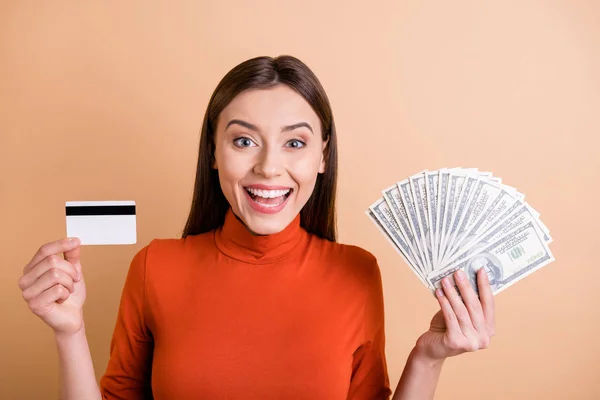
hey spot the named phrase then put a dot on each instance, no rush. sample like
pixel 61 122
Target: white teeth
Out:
pixel 268 194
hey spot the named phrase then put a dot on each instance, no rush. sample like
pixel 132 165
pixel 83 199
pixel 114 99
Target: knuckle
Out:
pixel 484 342
pixel 468 348
pixel 455 343
pixel 44 249
pixel 459 346
pixel 475 304
pixel 21 282
pixel 461 313
pixel 465 288
pixel 63 292
pixel 54 274
pixel 471 306
pixel 463 284
pixel 53 260
pixel 59 290
pixel 473 345
pixel 451 290
pixel 70 285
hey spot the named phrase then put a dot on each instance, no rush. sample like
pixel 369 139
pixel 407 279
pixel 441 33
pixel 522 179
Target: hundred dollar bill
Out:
pixel 379 214
pixel 518 214
pixel 459 206
pixel 456 177
pixel 444 177
pixel 394 201
pixel 419 195
pixel 489 199
pixel 431 189
pixel 407 199
pixel 479 228
pixel 487 194
pixel 383 214
pixel 502 208
pixel 506 261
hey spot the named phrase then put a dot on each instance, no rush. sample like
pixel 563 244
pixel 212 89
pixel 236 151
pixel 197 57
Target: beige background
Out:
pixel 104 101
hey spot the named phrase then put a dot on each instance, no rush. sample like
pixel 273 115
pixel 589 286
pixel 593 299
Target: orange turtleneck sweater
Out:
pixel 230 315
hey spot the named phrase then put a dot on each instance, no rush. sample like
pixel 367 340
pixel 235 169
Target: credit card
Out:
pixel 102 222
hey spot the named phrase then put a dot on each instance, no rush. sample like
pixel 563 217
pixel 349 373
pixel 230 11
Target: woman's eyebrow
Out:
pixel 255 128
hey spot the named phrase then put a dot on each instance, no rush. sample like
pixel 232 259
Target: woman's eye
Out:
pixel 243 142
pixel 296 144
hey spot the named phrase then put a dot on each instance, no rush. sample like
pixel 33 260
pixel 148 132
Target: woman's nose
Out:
pixel 269 164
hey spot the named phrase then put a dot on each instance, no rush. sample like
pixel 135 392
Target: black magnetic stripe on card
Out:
pixel 100 210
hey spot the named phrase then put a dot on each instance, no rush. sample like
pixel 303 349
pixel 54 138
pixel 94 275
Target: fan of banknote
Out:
pixel 462 218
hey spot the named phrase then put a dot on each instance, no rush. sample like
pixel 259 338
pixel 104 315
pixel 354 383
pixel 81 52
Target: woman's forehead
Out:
pixel 278 106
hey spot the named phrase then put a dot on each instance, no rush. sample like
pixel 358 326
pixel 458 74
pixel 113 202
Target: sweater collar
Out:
pixel 236 241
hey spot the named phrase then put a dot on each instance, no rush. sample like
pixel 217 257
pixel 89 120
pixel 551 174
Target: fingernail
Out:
pixel 72 240
pixel 446 282
pixel 439 293
pixel 460 275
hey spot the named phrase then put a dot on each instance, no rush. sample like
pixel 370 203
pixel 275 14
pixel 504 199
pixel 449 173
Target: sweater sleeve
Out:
pixel 370 379
pixel 130 364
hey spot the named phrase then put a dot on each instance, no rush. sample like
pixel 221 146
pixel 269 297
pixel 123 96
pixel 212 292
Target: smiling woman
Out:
pixel 256 300
pixel 268 169
pixel 268 126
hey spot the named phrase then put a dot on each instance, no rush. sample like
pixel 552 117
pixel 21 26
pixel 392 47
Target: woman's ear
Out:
pixel 323 163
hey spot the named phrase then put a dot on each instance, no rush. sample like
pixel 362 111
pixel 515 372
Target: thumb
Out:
pixel 72 256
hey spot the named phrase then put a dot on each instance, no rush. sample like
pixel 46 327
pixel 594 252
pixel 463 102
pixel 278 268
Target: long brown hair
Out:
pixel 209 205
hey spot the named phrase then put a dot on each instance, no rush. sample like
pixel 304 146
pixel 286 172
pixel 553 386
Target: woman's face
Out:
pixel 268 151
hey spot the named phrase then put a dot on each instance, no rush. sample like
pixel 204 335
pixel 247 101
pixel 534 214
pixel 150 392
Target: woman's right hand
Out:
pixel 54 288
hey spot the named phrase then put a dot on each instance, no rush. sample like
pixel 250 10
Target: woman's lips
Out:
pixel 267 208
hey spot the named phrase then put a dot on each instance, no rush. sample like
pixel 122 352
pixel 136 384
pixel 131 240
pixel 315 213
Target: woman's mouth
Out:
pixel 268 201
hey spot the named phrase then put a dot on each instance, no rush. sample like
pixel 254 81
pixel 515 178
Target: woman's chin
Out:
pixel 265 224
pixel 262 229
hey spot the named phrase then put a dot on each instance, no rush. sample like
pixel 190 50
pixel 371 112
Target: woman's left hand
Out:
pixel 460 326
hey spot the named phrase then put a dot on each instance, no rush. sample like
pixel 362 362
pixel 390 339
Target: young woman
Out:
pixel 257 300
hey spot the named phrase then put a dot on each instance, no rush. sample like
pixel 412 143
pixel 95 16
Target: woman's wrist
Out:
pixel 64 337
pixel 420 356
pixel 420 376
